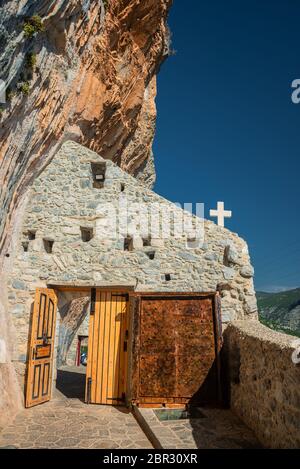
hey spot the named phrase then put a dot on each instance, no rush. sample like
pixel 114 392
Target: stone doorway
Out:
pixel 72 325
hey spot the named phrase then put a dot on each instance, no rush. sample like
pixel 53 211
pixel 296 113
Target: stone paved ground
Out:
pixel 217 429
pixel 67 422
pixel 73 424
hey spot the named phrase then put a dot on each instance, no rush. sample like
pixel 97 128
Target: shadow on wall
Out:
pixel 209 393
pixel 73 308
pixel 217 427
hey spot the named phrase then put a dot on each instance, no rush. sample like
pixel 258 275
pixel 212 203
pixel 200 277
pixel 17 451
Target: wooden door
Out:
pixel 41 350
pixel 108 348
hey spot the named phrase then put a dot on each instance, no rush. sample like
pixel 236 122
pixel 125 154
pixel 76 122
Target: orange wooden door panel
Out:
pixel 107 350
pixel 41 350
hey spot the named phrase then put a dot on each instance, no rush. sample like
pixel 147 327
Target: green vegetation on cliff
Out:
pixel 33 25
pixel 280 311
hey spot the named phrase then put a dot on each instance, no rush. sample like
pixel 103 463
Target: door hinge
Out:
pixel 119 399
pixel 93 301
pixel 89 391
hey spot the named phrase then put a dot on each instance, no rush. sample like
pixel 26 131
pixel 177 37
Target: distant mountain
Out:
pixel 280 311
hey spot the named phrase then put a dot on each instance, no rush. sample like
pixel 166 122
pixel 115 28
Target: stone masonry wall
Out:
pixel 63 200
pixel 83 330
pixel 265 383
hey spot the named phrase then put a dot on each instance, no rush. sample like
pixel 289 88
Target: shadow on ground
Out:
pixel 71 383
pixel 221 429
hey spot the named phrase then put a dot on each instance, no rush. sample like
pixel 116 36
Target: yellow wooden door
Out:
pixel 106 378
pixel 41 350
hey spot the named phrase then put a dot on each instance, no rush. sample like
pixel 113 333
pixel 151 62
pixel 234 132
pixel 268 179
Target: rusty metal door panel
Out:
pixel 177 347
pixel 157 375
pixel 192 373
pixel 156 333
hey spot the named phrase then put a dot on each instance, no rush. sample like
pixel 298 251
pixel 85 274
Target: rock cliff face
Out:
pixel 83 70
pixel 88 73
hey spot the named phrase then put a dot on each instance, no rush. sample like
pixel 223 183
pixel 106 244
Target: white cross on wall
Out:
pixel 220 213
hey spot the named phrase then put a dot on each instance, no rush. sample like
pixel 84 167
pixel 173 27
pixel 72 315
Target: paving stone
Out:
pixel 64 424
pixel 220 429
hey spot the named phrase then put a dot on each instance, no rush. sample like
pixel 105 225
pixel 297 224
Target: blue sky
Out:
pixel 227 128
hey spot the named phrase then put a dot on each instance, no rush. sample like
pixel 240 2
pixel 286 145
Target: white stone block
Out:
pixel 157 243
pixel 3 351
pixel 137 243
pixel 71 230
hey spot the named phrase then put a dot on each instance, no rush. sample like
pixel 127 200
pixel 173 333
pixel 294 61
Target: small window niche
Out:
pixel 147 242
pixel 31 235
pixel 25 246
pixel 99 171
pixel 87 234
pixel 168 277
pixel 128 243
pixel 48 245
pixel 192 242
pixel 151 255
pixel 122 187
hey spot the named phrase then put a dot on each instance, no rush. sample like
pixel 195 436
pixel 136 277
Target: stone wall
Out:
pixel 94 81
pixel 63 200
pixel 83 330
pixel 73 317
pixel 10 395
pixel 264 382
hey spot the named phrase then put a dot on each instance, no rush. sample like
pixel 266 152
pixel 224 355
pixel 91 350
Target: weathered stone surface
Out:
pixel 247 271
pixel 214 429
pixel 171 267
pixel 69 423
pixel 224 286
pixel 231 255
pixel 251 305
pixel 229 273
pixel 94 82
pixel 265 383
pixel 18 285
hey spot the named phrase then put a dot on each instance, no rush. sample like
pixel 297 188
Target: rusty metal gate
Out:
pixel 176 344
